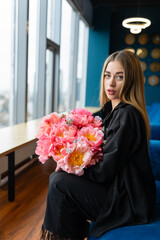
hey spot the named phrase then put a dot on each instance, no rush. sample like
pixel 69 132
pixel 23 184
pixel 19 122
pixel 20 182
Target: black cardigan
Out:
pixel 125 168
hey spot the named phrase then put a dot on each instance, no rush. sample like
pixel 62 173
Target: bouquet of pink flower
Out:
pixel 73 140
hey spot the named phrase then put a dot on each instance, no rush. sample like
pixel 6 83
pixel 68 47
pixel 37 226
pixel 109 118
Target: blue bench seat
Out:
pixel 150 231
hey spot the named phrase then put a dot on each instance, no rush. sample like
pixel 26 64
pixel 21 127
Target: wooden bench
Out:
pixel 12 138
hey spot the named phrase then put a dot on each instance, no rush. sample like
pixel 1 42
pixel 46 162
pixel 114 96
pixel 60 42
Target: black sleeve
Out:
pixel 120 145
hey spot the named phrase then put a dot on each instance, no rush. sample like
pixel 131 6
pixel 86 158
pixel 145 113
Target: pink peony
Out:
pixel 81 111
pixel 93 136
pixel 97 122
pixel 46 123
pixel 64 132
pixel 80 120
pixel 42 149
pixel 75 158
pixel 55 150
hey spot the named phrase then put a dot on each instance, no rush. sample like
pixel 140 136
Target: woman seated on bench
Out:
pixel 120 189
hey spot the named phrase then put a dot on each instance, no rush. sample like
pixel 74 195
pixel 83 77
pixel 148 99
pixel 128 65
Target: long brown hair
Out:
pixel 132 91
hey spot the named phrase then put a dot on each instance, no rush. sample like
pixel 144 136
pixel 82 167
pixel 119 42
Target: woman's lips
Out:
pixel 110 92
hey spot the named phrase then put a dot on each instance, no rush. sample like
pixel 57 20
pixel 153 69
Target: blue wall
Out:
pixel 108 36
pixel 98 50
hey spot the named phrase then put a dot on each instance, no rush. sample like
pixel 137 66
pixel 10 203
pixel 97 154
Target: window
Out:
pixel 65 51
pixel 20 62
pixel 81 65
pixel 43 57
pixel 32 41
pixel 73 59
pixel 40 72
pixel 37 57
pixel 6 61
pixel 50 56
pixel 53 21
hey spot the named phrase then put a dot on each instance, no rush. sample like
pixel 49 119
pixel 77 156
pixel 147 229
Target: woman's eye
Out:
pixel 120 77
pixel 106 75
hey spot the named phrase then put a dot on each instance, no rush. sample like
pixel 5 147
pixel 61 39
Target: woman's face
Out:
pixel 113 79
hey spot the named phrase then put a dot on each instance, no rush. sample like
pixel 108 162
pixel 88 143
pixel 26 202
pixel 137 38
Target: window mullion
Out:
pixel 20 62
pixel 39 106
pixel 73 60
pixel 57 54
pixel 84 68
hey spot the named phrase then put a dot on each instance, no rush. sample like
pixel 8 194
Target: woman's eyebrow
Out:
pixel 119 72
pixel 116 72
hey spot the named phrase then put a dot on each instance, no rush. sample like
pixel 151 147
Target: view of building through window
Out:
pixel 6 60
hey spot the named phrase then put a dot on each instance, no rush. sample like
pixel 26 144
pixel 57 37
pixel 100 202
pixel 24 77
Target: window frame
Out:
pixel 55 48
pixel 20 63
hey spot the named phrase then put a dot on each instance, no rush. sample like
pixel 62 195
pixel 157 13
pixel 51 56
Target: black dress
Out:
pixel 119 190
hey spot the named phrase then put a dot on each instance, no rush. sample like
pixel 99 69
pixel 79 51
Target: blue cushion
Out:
pixel 150 231
pixel 155 131
pixel 154 149
pixel 154 113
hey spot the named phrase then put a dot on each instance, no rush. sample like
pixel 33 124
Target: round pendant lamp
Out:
pixel 136 24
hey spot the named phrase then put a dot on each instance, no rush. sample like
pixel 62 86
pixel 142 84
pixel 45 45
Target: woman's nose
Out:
pixel 112 81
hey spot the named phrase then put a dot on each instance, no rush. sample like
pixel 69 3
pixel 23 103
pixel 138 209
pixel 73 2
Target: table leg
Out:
pixel 11 177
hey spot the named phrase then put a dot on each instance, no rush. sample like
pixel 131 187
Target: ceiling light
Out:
pixel 136 24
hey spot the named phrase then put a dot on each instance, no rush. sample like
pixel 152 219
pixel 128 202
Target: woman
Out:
pixel 120 189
